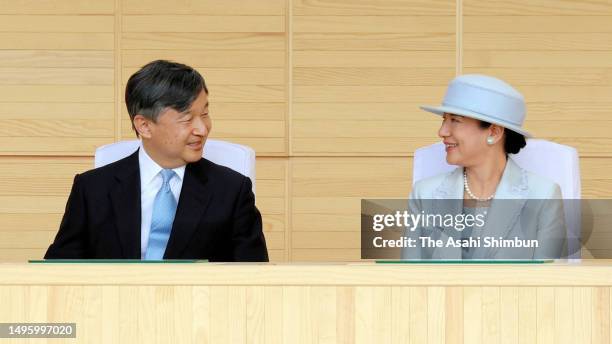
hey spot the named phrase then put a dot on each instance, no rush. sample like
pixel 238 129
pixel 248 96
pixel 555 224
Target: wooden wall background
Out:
pixel 326 92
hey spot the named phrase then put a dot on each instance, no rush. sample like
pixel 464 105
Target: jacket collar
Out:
pixel 510 197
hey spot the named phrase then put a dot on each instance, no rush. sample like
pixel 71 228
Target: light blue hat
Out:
pixel 485 98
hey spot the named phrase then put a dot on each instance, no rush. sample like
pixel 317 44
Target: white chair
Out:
pixel 237 157
pixel 548 159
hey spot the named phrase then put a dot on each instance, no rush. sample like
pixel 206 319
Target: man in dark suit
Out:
pixel 164 201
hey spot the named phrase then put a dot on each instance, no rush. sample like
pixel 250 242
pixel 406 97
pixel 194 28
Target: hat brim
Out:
pixel 441 110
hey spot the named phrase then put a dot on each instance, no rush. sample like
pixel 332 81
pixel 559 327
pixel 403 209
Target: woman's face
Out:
pixel 465 140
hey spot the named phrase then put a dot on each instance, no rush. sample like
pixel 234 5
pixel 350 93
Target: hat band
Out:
pixel 487 103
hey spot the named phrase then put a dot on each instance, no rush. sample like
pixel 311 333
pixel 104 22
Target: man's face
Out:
pixel 178 138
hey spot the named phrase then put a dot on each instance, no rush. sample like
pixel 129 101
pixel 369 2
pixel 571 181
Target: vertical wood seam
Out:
pixel 117 30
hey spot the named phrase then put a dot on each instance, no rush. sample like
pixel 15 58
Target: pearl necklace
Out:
pixel 469 192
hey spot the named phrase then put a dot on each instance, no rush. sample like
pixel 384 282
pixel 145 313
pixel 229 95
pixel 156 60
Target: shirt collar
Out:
pixel 149 168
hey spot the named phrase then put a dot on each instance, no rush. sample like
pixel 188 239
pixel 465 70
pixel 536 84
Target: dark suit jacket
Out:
pixel 216 217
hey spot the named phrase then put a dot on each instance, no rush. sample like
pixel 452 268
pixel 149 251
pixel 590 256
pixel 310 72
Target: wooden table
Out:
pixel 313 303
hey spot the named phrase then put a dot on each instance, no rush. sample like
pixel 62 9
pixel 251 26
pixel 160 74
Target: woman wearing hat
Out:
pixel 482 120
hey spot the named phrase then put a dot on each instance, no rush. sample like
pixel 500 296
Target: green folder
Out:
pixel 114 261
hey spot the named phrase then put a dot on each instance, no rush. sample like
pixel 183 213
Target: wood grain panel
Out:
pixel 57 7
pixel 537 8
pixel 410 76
pixel 56 94
pixel 208 41
pixel 548 23
pixel 202 23
pixel 383 7
pixel 56 58
pixel 56 23
pixel 374 24
pixel 374 41
pixel 56 41
pixel 203 59
pixel 584 41
pixel 230 76
pixel 56 76
pixel 208 7
pixel 441 59
pixel 539 59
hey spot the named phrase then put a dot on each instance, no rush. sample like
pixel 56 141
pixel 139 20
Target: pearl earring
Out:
pixel 490 140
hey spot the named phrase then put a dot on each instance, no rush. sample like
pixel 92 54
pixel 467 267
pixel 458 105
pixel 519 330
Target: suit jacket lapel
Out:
pixel 449 200
pixel 125 199
pixel 193 201
pixel 506 207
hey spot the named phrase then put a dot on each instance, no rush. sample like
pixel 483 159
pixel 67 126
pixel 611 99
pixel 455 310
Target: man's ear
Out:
pixel 143 126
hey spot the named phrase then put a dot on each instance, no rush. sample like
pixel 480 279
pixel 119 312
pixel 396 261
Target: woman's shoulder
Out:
pixel 541 187
pixel 442 182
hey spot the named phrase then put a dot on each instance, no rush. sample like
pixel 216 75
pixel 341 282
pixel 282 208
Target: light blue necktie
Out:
pixel 164 209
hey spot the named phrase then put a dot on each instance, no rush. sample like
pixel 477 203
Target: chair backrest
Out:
pixel 237 157
pixel 554 161
pixel 548 159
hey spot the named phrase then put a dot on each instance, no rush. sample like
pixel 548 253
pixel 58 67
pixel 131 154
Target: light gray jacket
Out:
pixel 526 206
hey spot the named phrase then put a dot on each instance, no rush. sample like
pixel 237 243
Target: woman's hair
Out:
pixel 514 141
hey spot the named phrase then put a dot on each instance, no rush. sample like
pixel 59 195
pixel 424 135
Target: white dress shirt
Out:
pixel 150 183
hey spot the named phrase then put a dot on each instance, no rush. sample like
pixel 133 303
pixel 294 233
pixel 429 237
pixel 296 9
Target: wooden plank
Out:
pixel 205 41
pixel 203 59
pixel 56 94
pixel 81 146
pixel 355 146
pixel 584 41
pixel 382 7
pixel 454 321
pixel 374 24
pixel 56 76
pixel 56 128
pixel 545 322
pixel 56 23
pixel 360 129
pixel 26 239
pixel 271 168
pixel 31 221
pixel 57 7
pixel 577 76
pixel 56 58
pixel 491 315
pixel 537 59
pixel 58 111
pixel 325 255
pixel 537 24
pixel 374 76
pixel 359 94
pixel 230 76
pixel 385 111
pixel 208 7
pixel 509 317
pixel 329 240
pixel 537 8
pixel 374 41
pixel 600 326
pixel 472 303
pixel 202 23
pixel 444 59
pixel 56 41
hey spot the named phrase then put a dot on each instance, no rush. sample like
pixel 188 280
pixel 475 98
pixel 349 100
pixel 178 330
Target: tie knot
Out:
pixel 167 175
